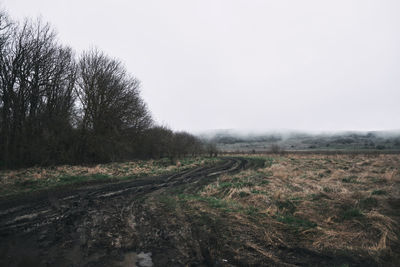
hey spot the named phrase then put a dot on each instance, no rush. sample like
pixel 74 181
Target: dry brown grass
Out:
pixel 320 202
pixel 15 181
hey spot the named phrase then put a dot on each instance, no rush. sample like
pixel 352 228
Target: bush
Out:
pixel 276 149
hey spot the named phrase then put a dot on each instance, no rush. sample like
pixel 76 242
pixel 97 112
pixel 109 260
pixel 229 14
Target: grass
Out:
pixel 351 213
pixel 324 203
pixel 379 192
pixel 368 203
pixel 26 180
pixel 350 179
pixel 295 221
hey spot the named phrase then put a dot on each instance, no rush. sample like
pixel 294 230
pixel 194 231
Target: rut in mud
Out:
pixel 134 223
pixel 98 225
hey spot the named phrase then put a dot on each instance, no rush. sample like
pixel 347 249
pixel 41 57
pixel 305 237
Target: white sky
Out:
pixel 248 64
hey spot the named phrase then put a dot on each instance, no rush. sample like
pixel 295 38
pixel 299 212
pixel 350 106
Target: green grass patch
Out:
pixel 24 182
pixel 258 192
pixel 328 190
pixel 287 206
pixel 235 184
pixel 252 211
pixel 78 179
pixel 351 213
pixel 368 203
pixel 259 162
pixel 347 180
pixel 168 202
pixel 379 192
pixel 295 221
pixel 243 194
pixel 350 179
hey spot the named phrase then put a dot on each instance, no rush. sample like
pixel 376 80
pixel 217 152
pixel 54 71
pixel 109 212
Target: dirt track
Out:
pixel 93 225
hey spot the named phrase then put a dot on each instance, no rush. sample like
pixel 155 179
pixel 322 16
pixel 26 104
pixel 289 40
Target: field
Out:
pixel 253 210
pixel 231 141
pixel 14 182
pixel 326 210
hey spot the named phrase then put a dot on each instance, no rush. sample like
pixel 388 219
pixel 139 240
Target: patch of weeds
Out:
pixel 235 185
pixel 295 221
pixel 235 179
pixel 294 188
pixel 213 202
pixel 77 179
pixel 244 184
pixel 328 190
pixel 263 182
pixel 296 199
pixel 168 202
pixel 379 192
pixel 368 203
pixel 216 203
pixel 259 162
pixel 243 194
pixel 378 180
pixel 177 190
pixel 164 162
pixel 27 183
pixel 350 179
pixel 128 177
pixel 323 207
pixel 186 197
pixel 258 192
pixel 99 176
pixel 268 174
pixel 351 213
pixel 225 185
pixel 268 162
pixel 319 196
pixel 204 219
pixel 251 211
pixel 286 206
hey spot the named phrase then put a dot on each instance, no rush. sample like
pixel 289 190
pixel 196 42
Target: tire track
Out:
pixel 56 207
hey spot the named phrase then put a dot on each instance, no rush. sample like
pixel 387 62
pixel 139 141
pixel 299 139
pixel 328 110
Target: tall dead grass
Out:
pixel 336 192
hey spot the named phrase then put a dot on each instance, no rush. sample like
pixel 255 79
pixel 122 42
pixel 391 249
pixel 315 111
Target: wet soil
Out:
pixel 113 225
pixel 90 225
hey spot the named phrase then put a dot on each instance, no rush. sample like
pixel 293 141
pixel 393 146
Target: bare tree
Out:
pixel 56 110
pixel 37 78
pixel 212 149
pixel 111 106
pixel 276 149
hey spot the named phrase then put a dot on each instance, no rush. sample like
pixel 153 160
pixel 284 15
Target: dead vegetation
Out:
pixel 283 210
pixel 343 206
pixel 36 178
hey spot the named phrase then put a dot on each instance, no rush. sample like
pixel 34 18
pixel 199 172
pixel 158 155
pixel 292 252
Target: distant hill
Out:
pixel 233 141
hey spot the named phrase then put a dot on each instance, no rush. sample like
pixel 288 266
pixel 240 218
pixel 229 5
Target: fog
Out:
pixel 246 65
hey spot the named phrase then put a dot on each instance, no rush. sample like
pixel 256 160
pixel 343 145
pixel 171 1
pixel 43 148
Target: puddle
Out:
pixel 133 259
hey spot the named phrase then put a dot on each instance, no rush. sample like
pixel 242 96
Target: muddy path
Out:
pixel 93 225
pixel 141 222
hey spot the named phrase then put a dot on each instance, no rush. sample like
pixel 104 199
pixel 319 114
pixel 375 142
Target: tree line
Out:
pixel 56 107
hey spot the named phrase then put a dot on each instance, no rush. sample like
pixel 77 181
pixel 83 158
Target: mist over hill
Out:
pixel 230 140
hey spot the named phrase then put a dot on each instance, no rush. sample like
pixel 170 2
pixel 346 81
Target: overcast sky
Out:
pixel 249 64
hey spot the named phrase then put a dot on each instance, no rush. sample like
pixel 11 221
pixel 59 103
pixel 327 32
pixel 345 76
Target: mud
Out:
pixel 93 225
pixel 121 224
